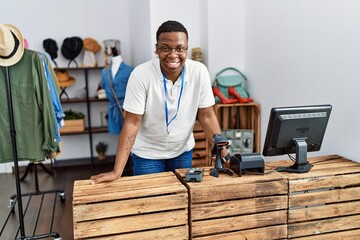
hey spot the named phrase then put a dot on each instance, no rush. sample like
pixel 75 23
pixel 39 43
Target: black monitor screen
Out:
pixel 296 130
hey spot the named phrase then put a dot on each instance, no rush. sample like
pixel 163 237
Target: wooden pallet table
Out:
pixel 153 206
pixel 325 202
pixel 233 207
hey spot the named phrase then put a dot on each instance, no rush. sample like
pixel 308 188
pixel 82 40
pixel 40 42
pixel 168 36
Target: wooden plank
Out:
pixel 344 235
pixel 324 182
pixel 173 233
pixel 197 127
pixel 323 226
pixel 317 160
pixel 200 145
pixel 233 117
pixel 207 152
pixel 129 207
pixel 333 165
pixel 199 136
pixel 238 207
pixel 199 153
pixel 125 183
pixel 132 178
pixel 126 195
pixel 223 225
pixel 110 187
pixel 199 162
pixel 325 166
pixel 324 172
pixel 244 118
pixel 128 187
pixel 324 197
pixel 130 224
pixel 212 193
pixel 133 181
pixel 322 212
pixel 269 233
pixel 225 179
pixel 225 118
pixel 256 125
pixel 325 158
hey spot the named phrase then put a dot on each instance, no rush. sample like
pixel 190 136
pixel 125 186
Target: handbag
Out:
pixel 115 97
pixel 223 82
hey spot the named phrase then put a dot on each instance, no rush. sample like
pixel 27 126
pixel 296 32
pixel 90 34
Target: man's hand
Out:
pixel 104 177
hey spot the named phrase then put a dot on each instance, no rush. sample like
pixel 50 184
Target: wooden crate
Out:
pixel 240 116
pixel 233 207
pixel 325 202
pixel 199 152
pixel 72 126
pixel 153 206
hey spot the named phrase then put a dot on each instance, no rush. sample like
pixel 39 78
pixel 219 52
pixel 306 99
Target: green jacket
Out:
pixel 33 111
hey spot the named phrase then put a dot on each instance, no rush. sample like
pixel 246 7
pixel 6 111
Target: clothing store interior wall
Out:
pixel 292 52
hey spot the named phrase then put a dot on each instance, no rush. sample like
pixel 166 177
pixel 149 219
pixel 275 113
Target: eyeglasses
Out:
pixel 167 50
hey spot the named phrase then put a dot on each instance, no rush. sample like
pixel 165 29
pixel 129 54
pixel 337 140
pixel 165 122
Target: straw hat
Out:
pixel 91 45
pixel 65 80
pixel 11 45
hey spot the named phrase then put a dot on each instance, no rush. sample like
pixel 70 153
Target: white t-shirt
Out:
pixel 145 96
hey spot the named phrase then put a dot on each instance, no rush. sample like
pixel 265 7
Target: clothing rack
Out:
pixel 17 198
pixel 32 167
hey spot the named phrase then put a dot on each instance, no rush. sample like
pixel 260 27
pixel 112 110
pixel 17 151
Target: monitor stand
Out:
pixel 301 164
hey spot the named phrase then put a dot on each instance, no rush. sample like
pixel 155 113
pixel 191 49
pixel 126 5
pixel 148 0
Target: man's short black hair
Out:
pixel 171 26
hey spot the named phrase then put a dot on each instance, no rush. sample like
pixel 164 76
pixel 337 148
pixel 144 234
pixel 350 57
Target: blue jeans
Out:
pixel 146 166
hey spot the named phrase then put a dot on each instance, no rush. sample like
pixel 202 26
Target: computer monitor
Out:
pixel 298 130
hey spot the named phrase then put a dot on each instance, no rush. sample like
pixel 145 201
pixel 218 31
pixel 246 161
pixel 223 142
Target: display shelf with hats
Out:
pixel 66 80
pixel 71 76
pixel 23 114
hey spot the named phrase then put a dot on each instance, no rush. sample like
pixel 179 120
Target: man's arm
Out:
pixel 125 143
pixel 210 124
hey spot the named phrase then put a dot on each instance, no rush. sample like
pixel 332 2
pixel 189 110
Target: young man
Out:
pixel 163 98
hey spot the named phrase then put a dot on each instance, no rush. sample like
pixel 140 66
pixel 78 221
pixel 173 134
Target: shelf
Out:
pixel 93 130
pixel 82 100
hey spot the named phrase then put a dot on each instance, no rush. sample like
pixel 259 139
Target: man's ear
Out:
pixel 156 50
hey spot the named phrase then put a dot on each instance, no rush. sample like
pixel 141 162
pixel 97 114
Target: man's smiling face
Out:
pixel 172 51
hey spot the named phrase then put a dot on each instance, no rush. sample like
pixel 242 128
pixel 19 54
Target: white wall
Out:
pixel 307 52
pixel 140 31
pixel 225 35
pixel 42 19
pixel 293 52
pixel 188 12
